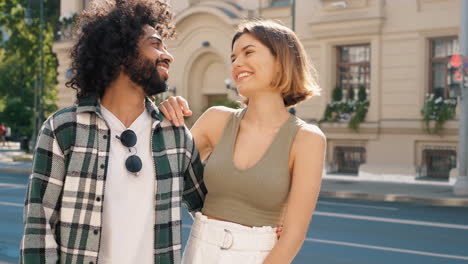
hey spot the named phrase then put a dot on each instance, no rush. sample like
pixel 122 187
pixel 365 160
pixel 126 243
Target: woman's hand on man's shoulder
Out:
pixel 174 108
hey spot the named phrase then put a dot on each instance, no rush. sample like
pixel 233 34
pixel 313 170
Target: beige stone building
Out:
pixel 396 49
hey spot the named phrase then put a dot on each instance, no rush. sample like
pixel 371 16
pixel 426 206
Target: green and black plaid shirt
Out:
pixel 63 209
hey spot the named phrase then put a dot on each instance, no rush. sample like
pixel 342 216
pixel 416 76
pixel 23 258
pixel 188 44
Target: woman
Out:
pixel 263 165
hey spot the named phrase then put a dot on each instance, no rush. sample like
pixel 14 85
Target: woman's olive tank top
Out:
pixel 255 196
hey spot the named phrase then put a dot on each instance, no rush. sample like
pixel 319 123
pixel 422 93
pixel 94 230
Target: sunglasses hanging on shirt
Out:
pixel 133 163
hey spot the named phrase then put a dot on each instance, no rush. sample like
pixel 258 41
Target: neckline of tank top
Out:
pixel 268 149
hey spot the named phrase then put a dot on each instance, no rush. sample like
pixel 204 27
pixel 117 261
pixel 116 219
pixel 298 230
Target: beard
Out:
pixel 143 72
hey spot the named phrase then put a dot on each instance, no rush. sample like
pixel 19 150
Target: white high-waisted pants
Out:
pixel 220 242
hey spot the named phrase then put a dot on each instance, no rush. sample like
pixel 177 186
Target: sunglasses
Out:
pixel 133 163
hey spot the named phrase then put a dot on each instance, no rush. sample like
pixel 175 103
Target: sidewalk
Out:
pixel 13 160
pixel 391 189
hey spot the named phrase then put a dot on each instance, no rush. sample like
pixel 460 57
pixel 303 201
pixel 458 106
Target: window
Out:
pixel 348 159
pixel 353 69
pixel 275 3
pixel 442 81
pixel 437 163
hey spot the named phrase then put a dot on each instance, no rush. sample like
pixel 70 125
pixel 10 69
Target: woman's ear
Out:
pixel 277 66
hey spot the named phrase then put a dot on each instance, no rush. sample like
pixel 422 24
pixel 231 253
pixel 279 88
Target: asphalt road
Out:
pixel 342 231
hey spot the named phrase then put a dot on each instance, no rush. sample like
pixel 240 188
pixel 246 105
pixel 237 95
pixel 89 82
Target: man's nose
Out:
pixel 166 56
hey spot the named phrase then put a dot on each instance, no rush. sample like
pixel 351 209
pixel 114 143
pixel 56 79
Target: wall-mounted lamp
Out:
pixel 342 4
pixel 172 90
pixel 230 85
pixel 205 44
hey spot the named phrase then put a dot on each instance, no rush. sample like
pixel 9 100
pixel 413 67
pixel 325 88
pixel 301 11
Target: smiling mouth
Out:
pixel 243 75
pixel 163 68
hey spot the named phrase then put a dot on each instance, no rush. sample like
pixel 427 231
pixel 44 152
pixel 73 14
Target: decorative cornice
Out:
pixel 346 27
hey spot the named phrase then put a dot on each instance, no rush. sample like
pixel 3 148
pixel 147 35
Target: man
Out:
pixel 110 173
pixel 2 133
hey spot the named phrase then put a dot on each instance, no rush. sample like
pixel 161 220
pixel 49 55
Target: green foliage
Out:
pixel 158 99
pixel 352 111
pixel 2 106
pixel 68 21
pixel 337 94
pixel 439 110
pixel 362 93
pixel 359 115
pixel 224 102
pixel 337 111
pixel 18 116
pixel 351 95
pixel 20 63
pixel 360 109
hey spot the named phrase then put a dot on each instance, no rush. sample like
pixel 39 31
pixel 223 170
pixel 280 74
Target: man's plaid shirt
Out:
pixel 63 209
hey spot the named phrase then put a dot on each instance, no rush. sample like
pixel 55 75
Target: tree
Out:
pixel 20 62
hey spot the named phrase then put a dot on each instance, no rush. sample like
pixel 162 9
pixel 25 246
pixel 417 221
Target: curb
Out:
pixel 15 170
pixel 463 202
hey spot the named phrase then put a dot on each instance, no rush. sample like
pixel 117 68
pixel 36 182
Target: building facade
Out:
pixel 393 51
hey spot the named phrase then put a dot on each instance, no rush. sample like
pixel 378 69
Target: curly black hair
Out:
pixel 108 35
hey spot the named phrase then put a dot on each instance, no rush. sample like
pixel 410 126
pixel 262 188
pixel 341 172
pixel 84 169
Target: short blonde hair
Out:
pixel 297 77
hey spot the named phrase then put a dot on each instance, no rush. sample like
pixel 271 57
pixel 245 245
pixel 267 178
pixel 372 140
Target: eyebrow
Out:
pixel 153 37
pixel 244 48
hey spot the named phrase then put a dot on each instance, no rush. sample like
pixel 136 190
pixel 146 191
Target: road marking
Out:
pixel 399 250
pixel 391 220
pixel 12 204
pixel 9 185
pixel 360 205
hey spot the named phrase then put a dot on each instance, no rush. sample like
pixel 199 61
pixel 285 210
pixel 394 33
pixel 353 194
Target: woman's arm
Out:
pixel 308 152
pixel 207 129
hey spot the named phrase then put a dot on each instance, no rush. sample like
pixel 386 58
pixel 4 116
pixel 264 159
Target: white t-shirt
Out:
pixel 128 206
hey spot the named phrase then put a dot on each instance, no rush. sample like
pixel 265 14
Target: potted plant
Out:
pixel 439 110
pixel 351 110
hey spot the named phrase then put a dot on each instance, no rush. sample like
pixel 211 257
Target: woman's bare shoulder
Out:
pixel 213 120
pixel 217 114
pixel 310 135
pixel 209 127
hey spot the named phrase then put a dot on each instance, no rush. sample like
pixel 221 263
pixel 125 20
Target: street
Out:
pixel 342 231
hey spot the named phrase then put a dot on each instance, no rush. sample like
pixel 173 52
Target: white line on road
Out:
pixel 360 205
pixel 12 204
pixel 399 250
pixel 9 185
pixel 391 220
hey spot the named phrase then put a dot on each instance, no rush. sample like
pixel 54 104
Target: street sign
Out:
pixel 457 62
